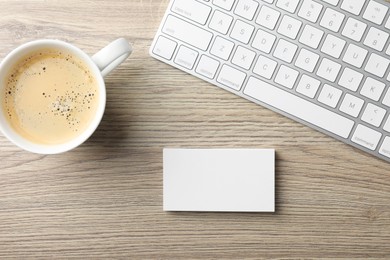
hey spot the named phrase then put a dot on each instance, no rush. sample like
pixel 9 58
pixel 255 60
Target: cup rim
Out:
pixel 39 148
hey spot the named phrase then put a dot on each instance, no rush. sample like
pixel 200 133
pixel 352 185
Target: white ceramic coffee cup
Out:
pixel 99 64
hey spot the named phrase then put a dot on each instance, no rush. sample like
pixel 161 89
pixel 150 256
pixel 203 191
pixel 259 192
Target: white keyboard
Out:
pixel 324 63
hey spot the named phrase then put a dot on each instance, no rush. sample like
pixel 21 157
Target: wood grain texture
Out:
pixel 104 199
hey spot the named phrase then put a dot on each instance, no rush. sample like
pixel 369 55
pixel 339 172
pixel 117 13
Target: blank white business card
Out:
pixel 219 180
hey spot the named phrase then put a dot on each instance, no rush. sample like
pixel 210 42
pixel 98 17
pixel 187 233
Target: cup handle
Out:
pixel 112 55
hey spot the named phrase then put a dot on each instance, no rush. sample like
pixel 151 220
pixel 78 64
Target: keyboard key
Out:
pixel 351 105
pixel 373 115
pixel 288 5
pixel 225 4
pixel 333 46
pixel 353 6
pixel 354 29
pixel 231 77
pixel 311 36
pixel 268 17
pixel 164 47
pixel 289 27
pixel 385 147
pixel 355 55
pixel 192 10
pixel 376 39
pixel 375 12
pixel 350 79
pixel 377 65
pixel 207 67
pixel 265 67
pixel 286 77
pixel 243 57
pixel 242 31
pixel 328 69
pixel 307 60
pixel 329 95
pixel 220 22
pixel 332 20
pixel 263 41
pixel 285 50
pixel 186 32
pixel 308 86
pixel 366 137
pixel 186 57
pixel 372 89
pixel 310 10
pixel 246 8
pixel 298 107
pixel 222 48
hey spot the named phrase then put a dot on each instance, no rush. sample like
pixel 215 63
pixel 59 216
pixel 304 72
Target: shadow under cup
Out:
pixel 61 106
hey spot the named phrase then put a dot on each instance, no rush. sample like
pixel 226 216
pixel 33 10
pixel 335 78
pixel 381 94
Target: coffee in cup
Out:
pixel 50 96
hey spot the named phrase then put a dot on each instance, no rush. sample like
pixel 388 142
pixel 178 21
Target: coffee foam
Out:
pixel 50 97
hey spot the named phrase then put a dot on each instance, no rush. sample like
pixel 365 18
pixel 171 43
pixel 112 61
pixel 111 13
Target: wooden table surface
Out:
pixel 104 199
